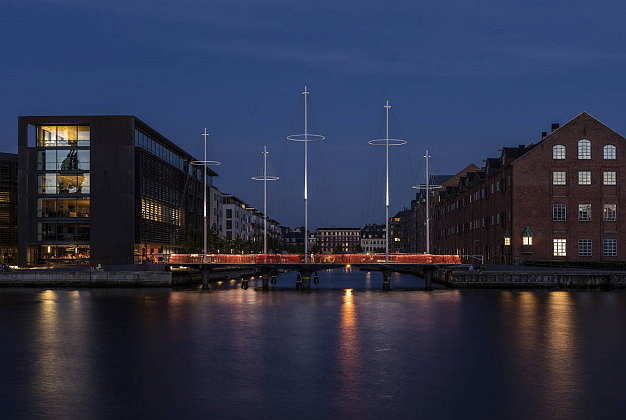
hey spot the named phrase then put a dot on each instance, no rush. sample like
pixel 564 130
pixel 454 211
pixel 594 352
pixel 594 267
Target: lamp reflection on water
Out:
pixel 349 352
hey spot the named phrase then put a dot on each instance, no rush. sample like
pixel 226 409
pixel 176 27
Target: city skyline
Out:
pixel 465 80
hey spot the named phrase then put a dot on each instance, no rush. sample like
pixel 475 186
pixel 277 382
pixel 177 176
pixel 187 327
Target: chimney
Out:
pixel 543 134
pixel 555 126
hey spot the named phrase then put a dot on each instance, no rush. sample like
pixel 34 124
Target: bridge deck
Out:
pixel 314 259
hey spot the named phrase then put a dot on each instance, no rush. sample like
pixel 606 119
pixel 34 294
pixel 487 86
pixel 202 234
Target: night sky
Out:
pixel 465 78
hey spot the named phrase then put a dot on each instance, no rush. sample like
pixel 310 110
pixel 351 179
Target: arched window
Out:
pixel 584 149
pixel 558 151
pixel 610 152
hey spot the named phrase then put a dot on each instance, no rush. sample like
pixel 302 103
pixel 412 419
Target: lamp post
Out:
pixel 387 142
pixel 429 189
pixel 265 178
pixel 305 138
pixel 204 163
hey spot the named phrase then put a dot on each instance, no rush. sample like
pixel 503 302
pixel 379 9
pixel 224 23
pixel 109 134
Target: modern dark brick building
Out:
pixel 8 208
pixel 104 190
pixel 557 200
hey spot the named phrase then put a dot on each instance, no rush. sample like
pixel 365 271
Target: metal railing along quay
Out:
pixel 287 259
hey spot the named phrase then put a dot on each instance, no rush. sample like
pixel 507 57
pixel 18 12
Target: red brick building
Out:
pixel 558 199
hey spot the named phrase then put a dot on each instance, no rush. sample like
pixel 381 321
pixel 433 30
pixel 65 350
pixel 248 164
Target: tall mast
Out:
pixel 265 177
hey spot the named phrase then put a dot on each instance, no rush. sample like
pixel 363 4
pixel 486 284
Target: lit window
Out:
pixel 584 149
pixel 559 212
pixel 609 247
pixel 559 247
pixel 507 241
pixel 527 236
pixel 584 247
pixel 558 151
pixel 558 178
pixel 584 177
pixel 609 212
pixel 609 152
pixel 609 177
pixel 584 212
pixel 396 239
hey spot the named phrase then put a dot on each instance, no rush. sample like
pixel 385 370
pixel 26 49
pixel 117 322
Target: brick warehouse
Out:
pixel 556 200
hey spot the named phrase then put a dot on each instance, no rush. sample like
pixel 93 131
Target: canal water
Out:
pixel 345 350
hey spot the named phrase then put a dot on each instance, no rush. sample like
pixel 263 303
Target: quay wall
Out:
pixel 531 279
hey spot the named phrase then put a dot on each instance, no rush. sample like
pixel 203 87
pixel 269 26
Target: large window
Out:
pixel 559 212
pixel 559 247
pixel 558 178
pixel 62 207
pixel 609 177
pixel 54 183
pixel 62 135
pixel 150 145
pixel 63 160
pixel 609 152
pixel 66 253
pixel 584 149
pixel 68 232
pixel 584 212
pixel 558 151
pixel 584 177
pixel 609 247
pixel 584 247
pixel 609 212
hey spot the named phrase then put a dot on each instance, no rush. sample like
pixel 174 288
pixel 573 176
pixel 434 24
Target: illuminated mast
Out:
pixel 265 178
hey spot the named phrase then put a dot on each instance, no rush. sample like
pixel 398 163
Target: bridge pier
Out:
pixel 205 278
pixel 265 278
pixel 303 281
pixel 428 279
pixel 386 279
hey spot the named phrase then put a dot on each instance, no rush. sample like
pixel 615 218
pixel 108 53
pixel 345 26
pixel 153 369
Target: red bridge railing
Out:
pixel 242 259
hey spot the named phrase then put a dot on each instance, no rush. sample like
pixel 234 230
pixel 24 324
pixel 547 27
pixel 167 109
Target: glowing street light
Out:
pixel 306 138
pixel 265 178
pixel 387 142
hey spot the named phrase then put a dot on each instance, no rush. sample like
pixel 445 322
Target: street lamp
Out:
pixel 265 178
pixel 306 138
pixel 204 163
pixel 387 142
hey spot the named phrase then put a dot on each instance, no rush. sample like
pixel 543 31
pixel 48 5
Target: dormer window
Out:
pixel 584 149
pixel 558 152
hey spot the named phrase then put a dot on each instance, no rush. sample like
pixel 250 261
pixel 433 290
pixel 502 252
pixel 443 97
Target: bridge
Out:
pixel 308 264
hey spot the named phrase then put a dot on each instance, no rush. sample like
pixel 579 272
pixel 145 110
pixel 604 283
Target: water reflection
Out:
pixel 349 352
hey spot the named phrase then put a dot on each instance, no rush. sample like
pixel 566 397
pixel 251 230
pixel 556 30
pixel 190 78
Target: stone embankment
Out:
pixel 519 278
pixel 113 278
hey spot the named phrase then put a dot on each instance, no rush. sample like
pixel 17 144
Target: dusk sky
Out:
pixel 465 78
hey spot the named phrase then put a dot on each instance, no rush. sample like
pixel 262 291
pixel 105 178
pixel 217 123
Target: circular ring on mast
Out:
pixel 265 178
pixel 385 142
pixel 205 162
pixel 306 137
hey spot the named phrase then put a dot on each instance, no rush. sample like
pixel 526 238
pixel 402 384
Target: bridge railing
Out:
pixel 343 259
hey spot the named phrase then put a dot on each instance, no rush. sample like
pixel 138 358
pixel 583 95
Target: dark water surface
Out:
pixel 347 351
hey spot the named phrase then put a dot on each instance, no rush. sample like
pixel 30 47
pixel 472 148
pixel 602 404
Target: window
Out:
pixel 609 212
pixel 507 241
pixel 559 247
pixel 558 178
pixel 52 207
pixel 584 177
pixel 527 236
pixel 62 135
pixel 559 212
pixel 609 247
pixel 584 212
pixel 609 152
pixel 584 149
pixel 63 160
pixel 558 151
pixel 609 177
pixel 584 247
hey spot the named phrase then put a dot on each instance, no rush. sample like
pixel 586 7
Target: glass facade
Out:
pixel 63 187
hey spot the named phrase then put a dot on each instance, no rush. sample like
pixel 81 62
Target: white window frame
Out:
pixel 609 152
pixel 609 178
pixel 609 247
pixel 585 247
pixel 559 178
pixel 584 149
pixel 559 247
pixel 558 152
pixel 609 215
pixel 584 177
pixel 580 212
pixel 559 212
